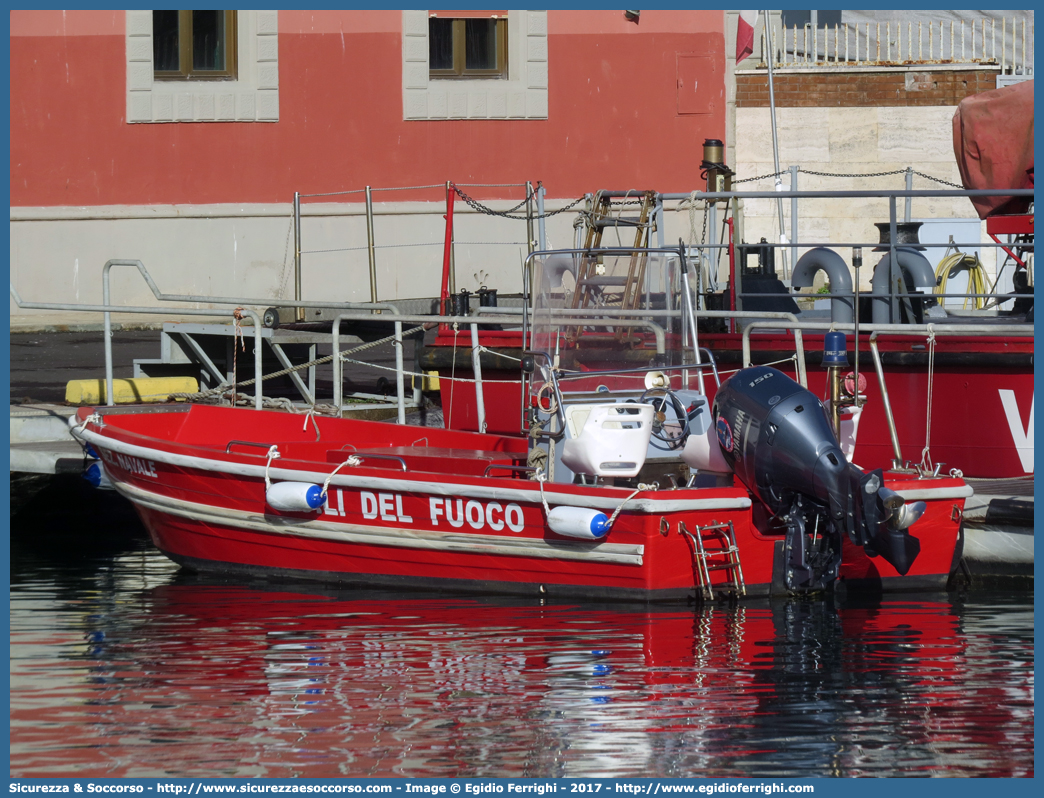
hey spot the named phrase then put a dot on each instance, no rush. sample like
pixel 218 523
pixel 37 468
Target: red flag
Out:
pixel 745 34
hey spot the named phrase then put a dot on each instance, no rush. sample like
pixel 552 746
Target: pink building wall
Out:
pixel 613 118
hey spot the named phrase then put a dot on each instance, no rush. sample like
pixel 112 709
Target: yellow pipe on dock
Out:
pixel 133 391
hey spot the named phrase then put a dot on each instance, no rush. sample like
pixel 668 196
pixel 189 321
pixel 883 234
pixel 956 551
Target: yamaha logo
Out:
pixel 725 434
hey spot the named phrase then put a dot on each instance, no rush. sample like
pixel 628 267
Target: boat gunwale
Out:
pixel 488 487
pixel 491 487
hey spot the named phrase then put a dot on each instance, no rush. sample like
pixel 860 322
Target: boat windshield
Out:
pixel 610 311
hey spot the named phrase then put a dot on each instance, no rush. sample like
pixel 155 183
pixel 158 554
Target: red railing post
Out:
pixel 448 248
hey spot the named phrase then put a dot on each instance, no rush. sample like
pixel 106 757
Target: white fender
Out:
pixel 294 497
pixel 578 522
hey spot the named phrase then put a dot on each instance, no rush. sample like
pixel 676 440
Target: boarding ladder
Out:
pixel 714 549
pixel 594 287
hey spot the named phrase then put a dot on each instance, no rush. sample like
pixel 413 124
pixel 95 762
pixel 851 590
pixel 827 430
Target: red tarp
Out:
pixel 993 142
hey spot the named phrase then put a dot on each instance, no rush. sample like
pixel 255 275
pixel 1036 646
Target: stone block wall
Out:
pixel 857 128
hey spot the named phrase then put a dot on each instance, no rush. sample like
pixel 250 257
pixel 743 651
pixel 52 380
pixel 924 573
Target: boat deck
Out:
pixel 314 440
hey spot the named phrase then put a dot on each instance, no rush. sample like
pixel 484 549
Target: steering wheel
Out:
pixel 675 431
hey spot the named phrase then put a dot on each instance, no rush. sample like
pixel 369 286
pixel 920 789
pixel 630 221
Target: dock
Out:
pixel 40 440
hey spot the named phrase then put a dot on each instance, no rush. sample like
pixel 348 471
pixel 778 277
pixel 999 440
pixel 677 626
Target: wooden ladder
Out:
pixel 593 286
pixel 714 549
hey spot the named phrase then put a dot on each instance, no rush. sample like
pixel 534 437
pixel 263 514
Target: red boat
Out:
pixel 344 501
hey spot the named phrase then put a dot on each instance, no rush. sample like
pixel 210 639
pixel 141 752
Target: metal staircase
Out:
pixel 714 549
pixel 599 286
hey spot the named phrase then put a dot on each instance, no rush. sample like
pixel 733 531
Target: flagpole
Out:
pixel 775 142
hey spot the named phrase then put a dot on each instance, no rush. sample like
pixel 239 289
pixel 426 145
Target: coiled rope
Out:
pixel 951 264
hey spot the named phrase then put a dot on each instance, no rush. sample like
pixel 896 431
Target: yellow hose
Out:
pixel 976 277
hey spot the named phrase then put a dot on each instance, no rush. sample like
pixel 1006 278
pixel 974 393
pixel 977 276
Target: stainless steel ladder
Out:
pixel 723 557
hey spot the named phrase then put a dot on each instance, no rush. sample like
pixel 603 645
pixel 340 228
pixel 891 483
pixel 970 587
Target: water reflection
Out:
pixel 123 666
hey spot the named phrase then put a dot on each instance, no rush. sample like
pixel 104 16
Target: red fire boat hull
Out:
pixel 197 477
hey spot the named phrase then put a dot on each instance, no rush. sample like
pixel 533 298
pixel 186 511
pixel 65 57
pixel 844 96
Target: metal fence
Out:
pixel 1006 42
pixel 531 198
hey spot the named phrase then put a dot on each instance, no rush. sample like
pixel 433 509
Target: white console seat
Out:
pixel 607 439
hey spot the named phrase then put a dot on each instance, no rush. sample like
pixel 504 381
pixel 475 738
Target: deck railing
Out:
pixel 704 252
pixel 1006 42
pixel 533 199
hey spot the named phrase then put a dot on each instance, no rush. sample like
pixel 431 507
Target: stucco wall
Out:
pixel 612 119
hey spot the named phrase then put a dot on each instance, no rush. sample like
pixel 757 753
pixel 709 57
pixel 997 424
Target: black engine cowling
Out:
pixel 778 440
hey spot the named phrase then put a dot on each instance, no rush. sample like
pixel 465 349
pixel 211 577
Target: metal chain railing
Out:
pixel 510 214
pixel 937 180
pixel 759 177
pixel 852 175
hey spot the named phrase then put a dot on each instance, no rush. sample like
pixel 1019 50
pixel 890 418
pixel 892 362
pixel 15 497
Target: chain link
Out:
pixel 853 175
pixel 526 201
pixel 759 177
pixel 937 180
pixel 509 214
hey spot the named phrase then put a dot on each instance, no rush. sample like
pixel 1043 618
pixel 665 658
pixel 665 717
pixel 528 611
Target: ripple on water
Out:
pixel 123 666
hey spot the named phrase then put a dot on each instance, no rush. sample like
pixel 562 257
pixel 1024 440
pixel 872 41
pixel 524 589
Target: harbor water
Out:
pixel 123 665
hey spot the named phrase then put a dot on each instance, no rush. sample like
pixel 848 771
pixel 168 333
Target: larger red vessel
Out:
pixel 960 380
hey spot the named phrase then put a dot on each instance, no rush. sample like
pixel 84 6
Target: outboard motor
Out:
pixel 776 437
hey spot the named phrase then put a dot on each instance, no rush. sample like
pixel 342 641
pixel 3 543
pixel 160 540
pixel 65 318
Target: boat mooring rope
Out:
pixel 926 456
pixel 541 478
pixel 310 415
pixel 641 486
pixel 453 372
pixel 93 418
pixel 273 454
pixel 353 460
pixel 237 335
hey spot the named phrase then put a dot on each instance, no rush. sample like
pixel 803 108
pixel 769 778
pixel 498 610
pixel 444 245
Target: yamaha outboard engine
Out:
pixel 776 437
